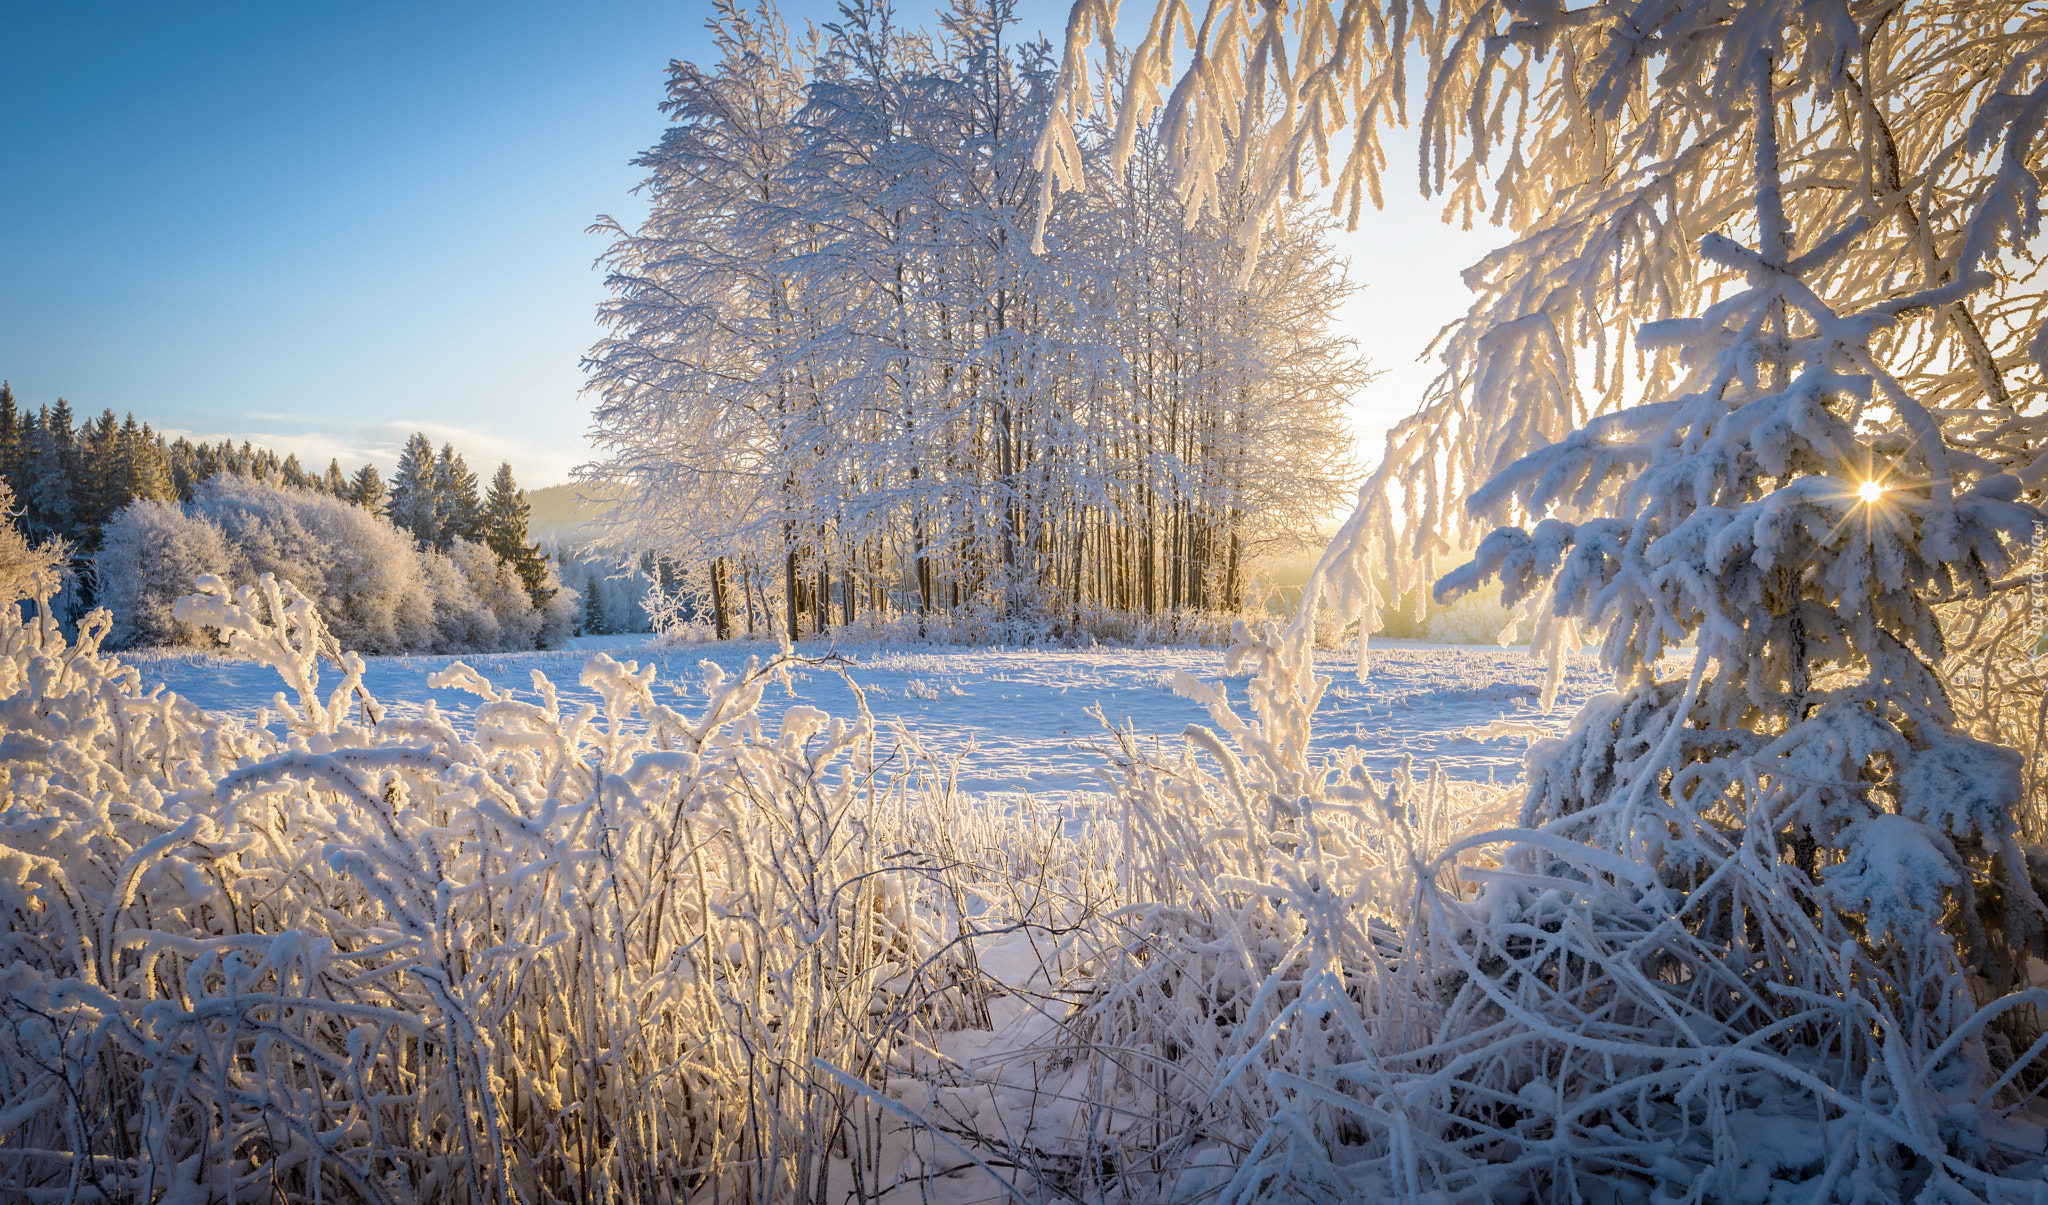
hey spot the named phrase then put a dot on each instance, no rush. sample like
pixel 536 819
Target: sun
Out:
pixel 1869 491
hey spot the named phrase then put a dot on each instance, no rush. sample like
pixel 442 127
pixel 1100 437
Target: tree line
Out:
pixel 859 360
pixel 70 480
pixel 71 484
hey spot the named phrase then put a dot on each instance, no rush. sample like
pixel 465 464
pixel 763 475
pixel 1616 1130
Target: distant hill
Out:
pixel 561 515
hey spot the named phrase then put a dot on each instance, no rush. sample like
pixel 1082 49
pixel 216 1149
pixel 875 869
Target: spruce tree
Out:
pixel 461 512
pixel 99 484
pixel 333 482
pixel 10 438
pixel 146 464
pixel 186 463
pixel 414 504
pixel 505 516
pixel 47 477
pixel 366 489
pixel 294 475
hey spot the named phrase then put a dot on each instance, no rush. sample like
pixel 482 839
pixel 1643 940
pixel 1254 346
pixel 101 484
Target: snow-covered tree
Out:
pixel 48 477
pixel 1757 370
pixel 360 570
pixel 838 373
pixel 414 503
pixel 151 554
pixel 460 509
pixel 10 436
pixel 22 565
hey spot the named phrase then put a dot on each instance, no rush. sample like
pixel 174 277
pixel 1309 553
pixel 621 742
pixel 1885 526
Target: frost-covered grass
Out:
pixel 626 941
pixel 568 951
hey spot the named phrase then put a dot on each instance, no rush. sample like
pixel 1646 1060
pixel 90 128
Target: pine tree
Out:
pixel 505 516
pixel 294 475
pixel 333 482
pixel 366 489
pixel 460 510
pixel 414 505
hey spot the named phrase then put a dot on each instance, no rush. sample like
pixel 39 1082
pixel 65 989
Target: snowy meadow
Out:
pixel 984 339
pixel 445 931
pixel 1025 713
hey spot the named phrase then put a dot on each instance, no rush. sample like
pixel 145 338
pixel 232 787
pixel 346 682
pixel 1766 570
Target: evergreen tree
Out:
pixel 47 475
pixel 186 461
pixel 100 486
pixel 10 438
pixel 414 504
pixel 366 489
pixel 333 482
pixel 461 512
pixel 593 609
pixel 294 475
pixel 505 517
pixel 146 464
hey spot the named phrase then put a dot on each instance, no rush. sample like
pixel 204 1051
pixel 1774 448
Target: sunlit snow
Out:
pixel 1021 716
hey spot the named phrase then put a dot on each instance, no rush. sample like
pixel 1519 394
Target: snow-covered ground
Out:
pixel 1021 717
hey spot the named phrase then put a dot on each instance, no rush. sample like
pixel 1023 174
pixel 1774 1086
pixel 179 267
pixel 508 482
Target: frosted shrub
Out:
pixel 364 574
pixel 461 619
pixel 526 952
pixel 22 565
pixel 376 590
pixel 496 586
pixel 149 556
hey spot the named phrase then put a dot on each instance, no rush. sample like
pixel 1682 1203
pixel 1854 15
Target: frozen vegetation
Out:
pixel 1751 397
pixel 665 939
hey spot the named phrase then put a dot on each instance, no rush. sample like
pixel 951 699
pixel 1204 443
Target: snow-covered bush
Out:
pixel 527 953
pixel 497 587
pixel 150 556
pixel 377 590
pixel 21 565
pixel 558 615
pixel 370 583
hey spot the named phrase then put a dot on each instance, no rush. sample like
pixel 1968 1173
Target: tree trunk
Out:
pixel 721 601
pixel 791 586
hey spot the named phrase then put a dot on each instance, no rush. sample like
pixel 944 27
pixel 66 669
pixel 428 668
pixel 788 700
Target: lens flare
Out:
pixel 1870 491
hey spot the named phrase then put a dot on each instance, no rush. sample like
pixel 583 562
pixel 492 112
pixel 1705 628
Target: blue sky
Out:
pixel 324 226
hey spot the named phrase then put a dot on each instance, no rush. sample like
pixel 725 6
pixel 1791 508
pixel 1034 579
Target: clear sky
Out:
pixel 324 226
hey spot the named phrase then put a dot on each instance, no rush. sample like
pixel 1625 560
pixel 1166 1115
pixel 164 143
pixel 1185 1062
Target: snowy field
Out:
pixel 1020 717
